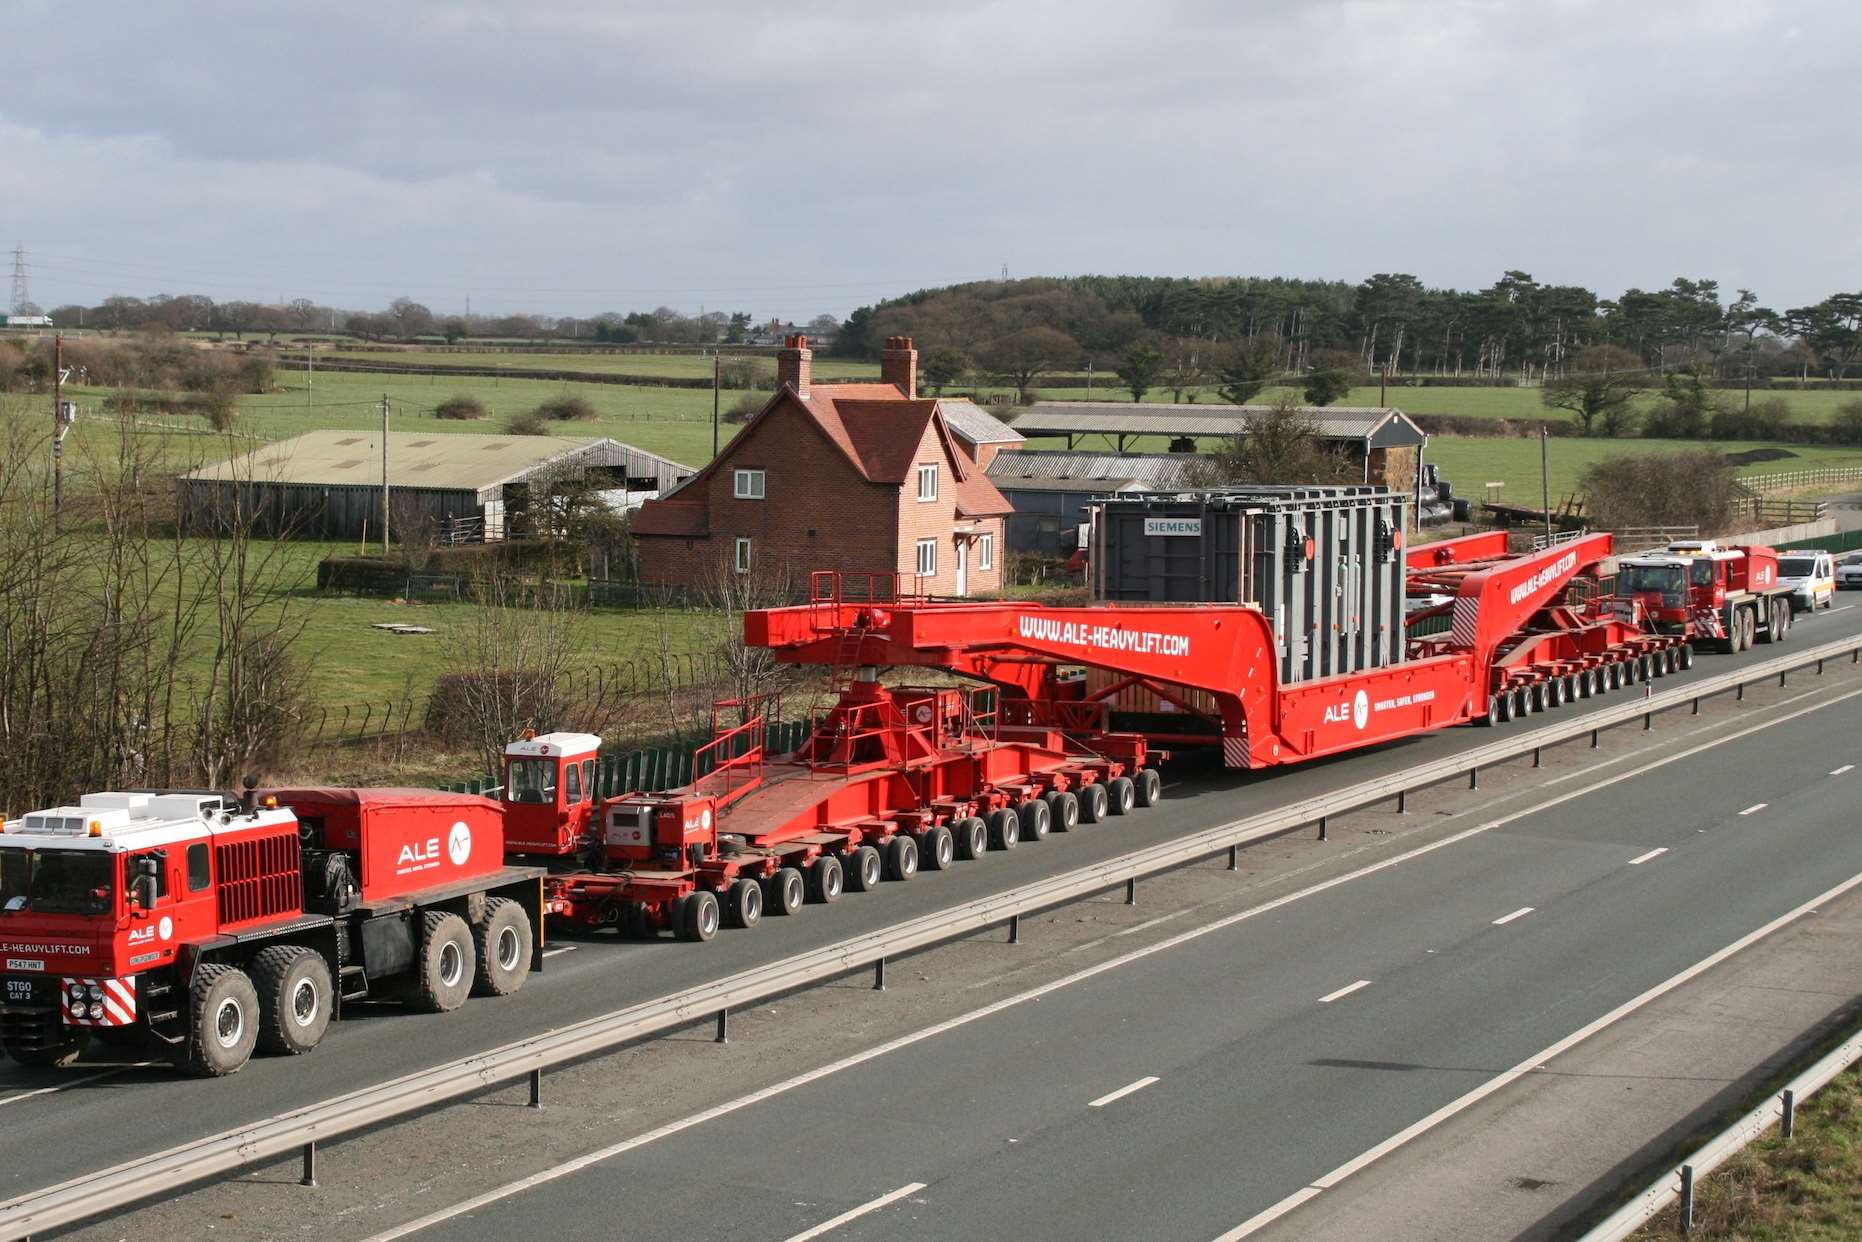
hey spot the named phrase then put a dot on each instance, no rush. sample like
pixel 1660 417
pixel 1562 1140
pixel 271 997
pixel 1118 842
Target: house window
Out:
pixel 747 485
pixel 743 556
pixel 927 482
pixel 986 552
pixel 927 556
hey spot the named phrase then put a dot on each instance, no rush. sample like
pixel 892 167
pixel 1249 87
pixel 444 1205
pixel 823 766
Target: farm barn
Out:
pixel 328 484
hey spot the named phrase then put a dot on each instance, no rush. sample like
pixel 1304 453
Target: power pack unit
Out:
pixel 1323 564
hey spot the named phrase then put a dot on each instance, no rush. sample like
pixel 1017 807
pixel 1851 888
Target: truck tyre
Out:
pixel 504 942
pixel 444 963
pixel 863 867
pixel 295 995
pixel 937 849
pixel 1036 819
pixel 699 915
pixel 634 923
pixel 784 892
pixel 1092 803
pixel 746 905
pixel 901 857
pixel 1554 693
pixel 1063 811
pixel 1005 829
pixel 223 1025
pixel 826 879
pixel 1120 795
pixel 1499 708
pixel 54 1056
pixel 972 837
pixel 1150 787
pixel 1685 656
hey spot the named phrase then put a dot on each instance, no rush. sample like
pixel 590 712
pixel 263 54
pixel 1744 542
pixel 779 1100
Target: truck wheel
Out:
pixel 746 903
pixel 1063 811
pixel 224 1022
pixel 1150 787
pixel 699 916
pixel 1685 656
pixel 1036 819
pixel 863 869
pixel 1092 803
pixel 825 879
pixel 783 892
pixel 1120 794
pixel 293 986
pixel 503 942
pixel 634 923
pixel 972 837
pixel 54 1056
pixel 901 858
pixel 1005 829
pixel 444 963
pixel 938 849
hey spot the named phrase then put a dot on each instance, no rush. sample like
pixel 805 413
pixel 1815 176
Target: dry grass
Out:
pixel 1806 1189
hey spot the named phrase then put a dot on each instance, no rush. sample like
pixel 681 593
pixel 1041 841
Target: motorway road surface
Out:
pixel 1209 1079
pixel 61 1125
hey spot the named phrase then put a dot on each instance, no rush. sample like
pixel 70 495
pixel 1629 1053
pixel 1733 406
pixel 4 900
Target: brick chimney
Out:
pixel 792 363
pixel 898 365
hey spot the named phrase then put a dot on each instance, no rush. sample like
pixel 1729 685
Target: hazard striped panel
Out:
pixel 1235 752
pixel 118 1002
pixel 1466 617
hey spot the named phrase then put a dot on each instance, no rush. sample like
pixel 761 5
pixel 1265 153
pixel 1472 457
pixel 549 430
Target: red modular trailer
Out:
pixel 210 927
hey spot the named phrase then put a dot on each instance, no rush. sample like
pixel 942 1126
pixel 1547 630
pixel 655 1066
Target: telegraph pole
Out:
pixel 58 433
pixel 717 376
pixel 384 474
pixel 1545 483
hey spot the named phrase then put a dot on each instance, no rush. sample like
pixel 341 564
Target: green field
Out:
pixel 691 366
pixel 1470 462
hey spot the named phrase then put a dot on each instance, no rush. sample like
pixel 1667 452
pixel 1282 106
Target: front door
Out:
pixel 963 567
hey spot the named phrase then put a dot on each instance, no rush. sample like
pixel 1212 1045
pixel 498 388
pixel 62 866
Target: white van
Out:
pixel 1811 577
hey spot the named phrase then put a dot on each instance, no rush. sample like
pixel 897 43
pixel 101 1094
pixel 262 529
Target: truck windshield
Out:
pixel 1796 566
pixel 57 881
pixel 1634 579
pixel 531 780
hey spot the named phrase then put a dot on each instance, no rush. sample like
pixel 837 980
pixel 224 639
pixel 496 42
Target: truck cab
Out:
pixel 1810 577
pixel 1699 587
pixel 549 793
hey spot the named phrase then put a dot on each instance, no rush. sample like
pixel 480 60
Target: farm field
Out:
pixel 689 366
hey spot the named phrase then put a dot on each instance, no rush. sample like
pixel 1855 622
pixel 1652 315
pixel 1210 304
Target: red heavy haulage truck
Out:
pixel 213 925
pixel 1727 594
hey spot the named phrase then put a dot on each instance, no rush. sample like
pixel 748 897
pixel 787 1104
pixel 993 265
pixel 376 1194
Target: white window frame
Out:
pixel 927 483
pixel 986 551
pixel 927 557
pixel 743 555
pixel 748 485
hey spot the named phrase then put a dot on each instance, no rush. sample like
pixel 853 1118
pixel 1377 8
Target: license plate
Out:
pixel 25 963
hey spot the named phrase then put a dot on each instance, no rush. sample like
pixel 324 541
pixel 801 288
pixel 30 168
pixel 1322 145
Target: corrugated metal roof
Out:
pixel 975 424
pixel 1383 425
pixel 1160 470
pixel 1097 487
pixel 446 461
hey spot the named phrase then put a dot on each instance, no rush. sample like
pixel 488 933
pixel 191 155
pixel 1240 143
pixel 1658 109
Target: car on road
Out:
pixel 1811 576
pixel 1849 571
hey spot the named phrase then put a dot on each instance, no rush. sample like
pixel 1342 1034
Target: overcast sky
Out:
pixel 790 159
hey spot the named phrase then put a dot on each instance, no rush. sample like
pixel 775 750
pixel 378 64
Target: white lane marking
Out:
pixel 1847 767
pixel 545 1176
pixel 1520 913
pixel 1535 1061
pixel 1755 808
pixel 1122 1092
pixel 1639 859
pixel 1150 923
pixel 1347 990
pixel 1844 608
pixel 73 1082
pixel 873 1205
pixel 567 948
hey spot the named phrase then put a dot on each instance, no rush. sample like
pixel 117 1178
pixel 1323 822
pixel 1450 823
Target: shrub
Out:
pixel 1661 489
pixel 463 406
pixel 528 423
pixel 256 372
pixel 568 408
pixel 1847 429
pixel 216 407
pixel 749 373
pixel 744 408
pixel 1769 419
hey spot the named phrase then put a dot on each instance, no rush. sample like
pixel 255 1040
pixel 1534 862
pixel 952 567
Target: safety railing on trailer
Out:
pixel 1542 541
pixel 300 1129
pixel 840 730
pixel 732 761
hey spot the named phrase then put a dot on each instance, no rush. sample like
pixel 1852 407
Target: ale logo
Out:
pixel 165 928
pixel 1361 710
pixel 459 844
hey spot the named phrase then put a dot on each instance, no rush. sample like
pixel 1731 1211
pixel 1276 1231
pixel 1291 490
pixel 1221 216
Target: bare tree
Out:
pixel 1282 445
pixel 1600 384
pixel 1024 356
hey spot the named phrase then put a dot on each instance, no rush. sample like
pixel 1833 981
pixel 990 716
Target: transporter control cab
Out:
pixel 1700 589
pixel 549 793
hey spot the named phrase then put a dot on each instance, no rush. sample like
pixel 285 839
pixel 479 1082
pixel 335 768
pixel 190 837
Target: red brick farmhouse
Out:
pixel 854 477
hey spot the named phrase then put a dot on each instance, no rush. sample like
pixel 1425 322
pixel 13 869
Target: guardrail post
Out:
pixel 1538 756
pixel 1234 858
pixel 1781 677
pixel 1739 694
pixel 309 1177
pixel 536 1089
pixel 1474 778
pixel 1594 735
pixel 724 1027
pixel 1648 721
pixel 1687 1198
pixel 1787 1124
pixel 1402 802
pixel 1131 891
pixel 1015 929
pixel 879 975
pixel 1819 668
pixel 1696 710
pixel 1322 835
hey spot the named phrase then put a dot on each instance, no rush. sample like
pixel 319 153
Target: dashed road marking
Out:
pixel 1639 859
pixel 1520 913
pixel 871 1205
pixel 1347 990
pixel 1755 808
pixel 1122 1092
